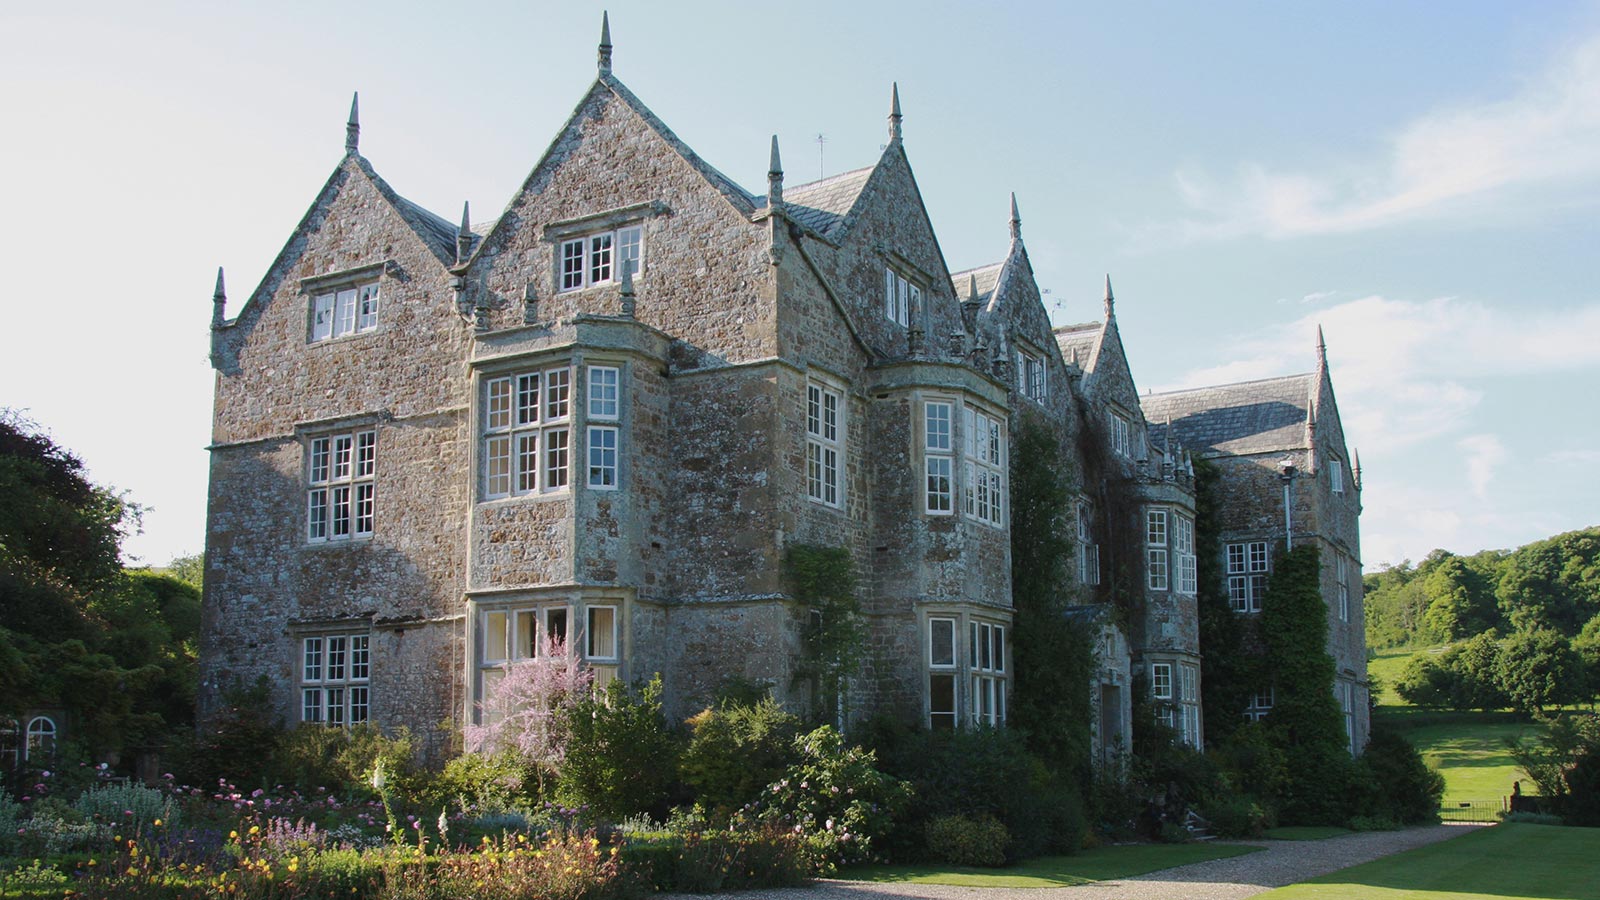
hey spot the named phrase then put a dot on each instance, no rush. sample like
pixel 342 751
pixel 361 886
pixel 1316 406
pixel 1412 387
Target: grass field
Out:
pixel 1099 864
pixel 1386 667
pixel 1506 862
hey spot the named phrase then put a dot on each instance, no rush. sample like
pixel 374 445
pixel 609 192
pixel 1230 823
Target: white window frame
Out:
pixel 1260 704
pixel 938 453
pixel 335 678
pixel 1183 548
pixel 603 442
pixel 901 295
pixel 1088 550
pixel 825 444
pixel 1121 435
pixel 587 260
pixel 40 738
pixel 526 430
pixel 1032 376
pixel 944 668
pixel 341 486
pixel 344 311
pixel 1335 475
pixel 1161 690
pixel 1341 576
pixel 984 468
pixel 1247 563
pixel 986 658
pixel 1157 573
pixel 1189 700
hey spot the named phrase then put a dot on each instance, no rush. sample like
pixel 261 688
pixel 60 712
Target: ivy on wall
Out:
pixel 1231 647
pixel 824 580
pixel 1118 526
pixel 1054 667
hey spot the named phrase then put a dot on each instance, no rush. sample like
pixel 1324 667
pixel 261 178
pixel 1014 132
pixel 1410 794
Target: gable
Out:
pixel 1250 417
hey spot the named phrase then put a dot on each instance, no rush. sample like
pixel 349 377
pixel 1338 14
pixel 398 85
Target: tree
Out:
pixel 1461 603
pixel 527 713
pixel 1553 583
pixel 1538 669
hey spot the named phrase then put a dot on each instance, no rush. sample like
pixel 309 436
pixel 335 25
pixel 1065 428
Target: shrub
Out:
pixel 10 815
pixel 130 808
pixel 528 712
pixel 835 798
pixel 1531 818
pixel 1404 789
pixel 964 841
pixel 1236 817
pixel 313 756
pixel 980 772
pixel 739 860
pixel 481 783
pixel 621 758
pixel 735 750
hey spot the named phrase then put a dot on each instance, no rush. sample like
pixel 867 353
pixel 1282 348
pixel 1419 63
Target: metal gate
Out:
pixel 1472 811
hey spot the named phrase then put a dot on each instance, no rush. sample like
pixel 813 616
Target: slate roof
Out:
pixel 822 206
pixel 987 276
pixel 1080 338
pixel 1245 418
pixel 434 229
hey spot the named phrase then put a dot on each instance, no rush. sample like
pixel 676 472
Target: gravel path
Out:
pixel 1281 863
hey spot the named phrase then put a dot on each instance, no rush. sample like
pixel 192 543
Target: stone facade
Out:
pixel 605 418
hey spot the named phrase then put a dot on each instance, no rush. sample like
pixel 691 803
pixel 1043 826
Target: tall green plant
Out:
pixel 1053 657
pixel 824 580
pixel 1232 673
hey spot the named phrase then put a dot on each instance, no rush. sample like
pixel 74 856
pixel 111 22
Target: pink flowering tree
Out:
pixel 525 713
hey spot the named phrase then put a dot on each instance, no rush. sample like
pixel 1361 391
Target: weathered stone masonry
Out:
pixel 605 416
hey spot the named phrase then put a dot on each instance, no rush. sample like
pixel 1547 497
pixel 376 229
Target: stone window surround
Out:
pixel 314 286
pixel 575 606
pixel 1088 550
pixel 825 453
pixel 353 687
pixel 915 276
pixel 1033 375
pixel 1121 433
pixel 1335 474
pixel 611 220
pixel 307 434
pixel 1261 702
pixel 1246 571
pixel 938 452
pixel 985 469
pixel 959 630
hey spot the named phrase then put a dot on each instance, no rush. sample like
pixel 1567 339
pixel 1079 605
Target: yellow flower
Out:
pixel 233 835
pixel 255 829
pixel 132 871
pixel 157 823
pixel 93 863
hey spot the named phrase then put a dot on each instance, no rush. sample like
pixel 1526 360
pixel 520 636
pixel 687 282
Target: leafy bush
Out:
pixel 834 797
pixel 1404 789
pixel 709 861
pixel 10 815
pixel 1236 817
pixel 313 756
pixel 621 758
pixel 528 712
pixel 964 841
pixel 975 772
pixel 481 784
pixel 1565 763
pixel 736 749
pixel 1537 669
pixel 1531 818
pixel 129 808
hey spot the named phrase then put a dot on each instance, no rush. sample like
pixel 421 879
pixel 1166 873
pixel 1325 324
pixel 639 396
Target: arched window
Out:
pixel 41 737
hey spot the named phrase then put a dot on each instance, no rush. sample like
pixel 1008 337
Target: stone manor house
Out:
pixel 603 418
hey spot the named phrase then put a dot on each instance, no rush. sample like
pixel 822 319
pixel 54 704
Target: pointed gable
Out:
pixel 1250 417
pixel 822 206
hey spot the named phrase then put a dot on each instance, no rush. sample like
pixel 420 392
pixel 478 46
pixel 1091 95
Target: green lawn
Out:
pixel 1099 864
pixel 1386 668
pixel 1467 748
pixel 1506 862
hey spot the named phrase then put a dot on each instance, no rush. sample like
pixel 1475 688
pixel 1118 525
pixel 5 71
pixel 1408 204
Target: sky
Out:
pixel 1420 179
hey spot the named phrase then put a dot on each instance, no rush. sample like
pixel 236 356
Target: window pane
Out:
pixel 344 312
pixel 602 632
pixel 322 317
pixel 336 658
pixel 522 645
pixel 495 633
pixel 999 649
pixel 360 656
pixel 937 418
pixel 311 705
pixel 941 702
pixel 317 514
pixel 366 453
pixel 572 265
pixel 498 408
pixel 319 461
pixel 497 454
pixel 341 511
pixel 312 670
pixel 942 642
pixel 342 446
pixel 527 462
pixel 599 258
pixel 367 318
pixel 557 384
pixel 938 488
pixel 364 508
pixel 630 250
pixel 555 625
pixel 359 705
pixel 527 399
pixel 603 457
pixel 602 392
pixel 555 446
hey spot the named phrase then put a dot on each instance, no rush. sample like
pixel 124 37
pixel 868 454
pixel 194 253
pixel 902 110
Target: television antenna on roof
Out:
pixel 821 139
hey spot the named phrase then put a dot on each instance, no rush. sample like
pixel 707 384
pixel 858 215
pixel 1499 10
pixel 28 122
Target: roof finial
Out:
pixel 972 287
pixel 219 301
pixel 605 43
pixel 464 234
pixel 1016 218
pixel 894 113
pixel 1111 300
pixel 1355 468
pixel 1168 431
pixel 352 129
pixel 1322 348
pixel 774 177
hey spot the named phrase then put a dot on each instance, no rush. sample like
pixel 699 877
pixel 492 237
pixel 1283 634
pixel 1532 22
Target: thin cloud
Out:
pixel 1548 132
pixel 1483 453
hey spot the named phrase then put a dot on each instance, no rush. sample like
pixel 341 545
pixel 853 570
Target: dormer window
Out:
pixel 900 294
pixel 1030 369
pixel 350 309
pixel 593 259
pixel 1121 435
pixel 1335 474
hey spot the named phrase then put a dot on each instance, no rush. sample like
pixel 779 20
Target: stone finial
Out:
pixel 630 303
pixel 1322 349
pixel 352 128
pixel 464 234
pixel 219 301
pixel 894 113
pixel 1016 218
pixel 1355 468
pixel 774 177
pixel 605 43
pixel 1111 300
pixel 972 288
pixel 530 304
